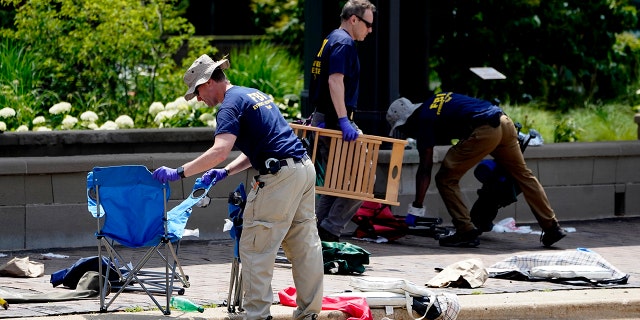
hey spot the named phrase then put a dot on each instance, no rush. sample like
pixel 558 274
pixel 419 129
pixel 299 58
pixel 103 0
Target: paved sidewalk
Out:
pixel 415 258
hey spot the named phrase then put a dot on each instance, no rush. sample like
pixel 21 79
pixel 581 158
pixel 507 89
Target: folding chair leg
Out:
pixel 238 296
pixel 234 298
pixel 176 264
pixel 153 281
pixel 232 279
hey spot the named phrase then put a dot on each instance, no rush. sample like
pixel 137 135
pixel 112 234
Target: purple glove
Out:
pixel 349 133
pixel 214 175
pixel 165 174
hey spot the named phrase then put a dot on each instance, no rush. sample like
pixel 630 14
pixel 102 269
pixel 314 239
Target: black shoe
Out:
pixel 467 239
pixel 551 236
pixel 327 236
pixel 484 227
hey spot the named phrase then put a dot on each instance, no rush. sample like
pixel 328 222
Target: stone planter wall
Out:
pixel 43 181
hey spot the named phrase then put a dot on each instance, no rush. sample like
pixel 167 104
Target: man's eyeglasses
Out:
pixel 366 23
pixel 196 91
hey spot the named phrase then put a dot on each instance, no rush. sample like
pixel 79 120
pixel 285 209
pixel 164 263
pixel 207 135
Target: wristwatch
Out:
pixel 181 172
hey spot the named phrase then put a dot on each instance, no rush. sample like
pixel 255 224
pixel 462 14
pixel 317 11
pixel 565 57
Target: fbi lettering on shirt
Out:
pixel 317 64
pixel 261 100
pixel 439 100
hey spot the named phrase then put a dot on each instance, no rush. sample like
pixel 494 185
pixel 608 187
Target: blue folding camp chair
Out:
pixel 130 207
pixel 237 200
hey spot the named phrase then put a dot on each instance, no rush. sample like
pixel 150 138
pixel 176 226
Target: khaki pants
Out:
pixel 502 144
pixel 281 212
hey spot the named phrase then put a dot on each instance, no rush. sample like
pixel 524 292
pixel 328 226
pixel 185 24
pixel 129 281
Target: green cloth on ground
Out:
pixel 343 258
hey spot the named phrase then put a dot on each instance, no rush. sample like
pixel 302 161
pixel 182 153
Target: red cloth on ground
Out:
pixel 356 307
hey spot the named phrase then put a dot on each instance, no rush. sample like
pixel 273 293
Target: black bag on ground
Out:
pixel 69 277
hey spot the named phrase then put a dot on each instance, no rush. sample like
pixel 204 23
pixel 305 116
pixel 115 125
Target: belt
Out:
pixel 493 122
pixel 273 165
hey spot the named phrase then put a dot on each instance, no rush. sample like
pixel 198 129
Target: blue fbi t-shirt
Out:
pixel 260 129
pixel 338 54
pixel 447 116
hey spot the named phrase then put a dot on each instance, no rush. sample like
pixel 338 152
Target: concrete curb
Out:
pixel 560 304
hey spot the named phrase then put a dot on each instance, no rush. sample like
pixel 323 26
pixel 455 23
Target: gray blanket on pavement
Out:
pixel 88 287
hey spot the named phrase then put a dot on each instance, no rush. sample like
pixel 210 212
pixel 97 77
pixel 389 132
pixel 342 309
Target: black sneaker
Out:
pixel 327 236
pixel 484 227
pixel 551 236
pixel 467 239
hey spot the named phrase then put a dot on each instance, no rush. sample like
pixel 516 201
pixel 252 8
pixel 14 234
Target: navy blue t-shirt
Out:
pixel 338 54
pixel 260 129
pixel 447 116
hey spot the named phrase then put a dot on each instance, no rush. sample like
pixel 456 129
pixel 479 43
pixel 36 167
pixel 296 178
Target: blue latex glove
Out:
pixel 321 125
pixel 164 174
pixel 349 133
pixel 214 175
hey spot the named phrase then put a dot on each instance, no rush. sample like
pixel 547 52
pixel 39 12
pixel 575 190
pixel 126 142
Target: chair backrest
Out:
pixel 237 202
pixel 351 166
pixel 131 201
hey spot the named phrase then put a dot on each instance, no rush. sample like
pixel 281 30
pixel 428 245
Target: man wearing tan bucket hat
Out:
pixel 481 129
pixel 280 206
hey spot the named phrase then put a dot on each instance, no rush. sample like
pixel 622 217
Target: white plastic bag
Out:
pixel 446 302
pixel 509 225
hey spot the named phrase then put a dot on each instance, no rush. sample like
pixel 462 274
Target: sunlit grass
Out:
pixel 135 309
pixel 612 122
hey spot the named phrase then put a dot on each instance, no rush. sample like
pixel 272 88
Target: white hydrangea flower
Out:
pixel 160 117
pixel 43 129
pixel 205 117
pixel 22 128
pixel 7 112
pixel 93 126
pixel 60 107
pixel 212 123
pixel 109 125
pixel 193 103
pixel 124 121
pixel 38 120
pixel 69 122
pixel 164 116
pixel 171 106
pixel 155 107
pixel 89 116
pixel 182 100
pixel 3 126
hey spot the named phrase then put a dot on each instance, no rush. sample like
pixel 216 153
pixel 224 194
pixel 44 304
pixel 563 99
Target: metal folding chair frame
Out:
pixel 237 200
pixel 135 278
